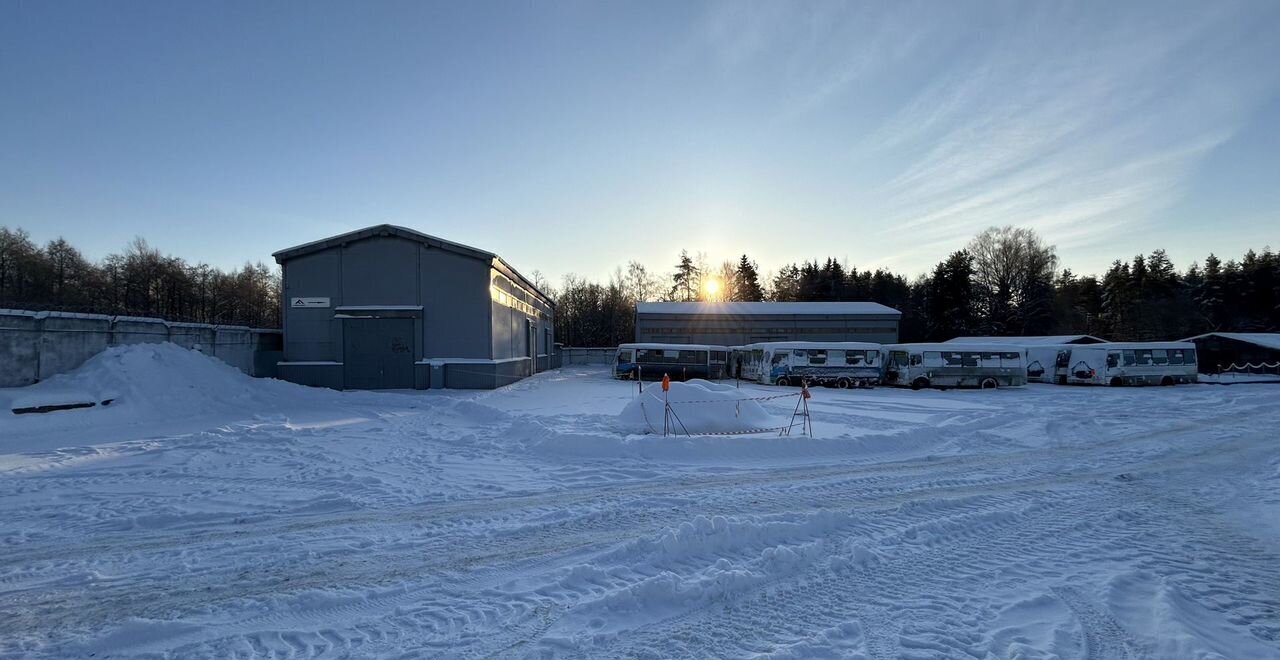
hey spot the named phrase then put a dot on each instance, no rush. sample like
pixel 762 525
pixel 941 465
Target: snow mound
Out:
pixel 701 407
pixel 156 381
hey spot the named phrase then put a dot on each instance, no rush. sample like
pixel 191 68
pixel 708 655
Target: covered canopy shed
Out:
pixel 1237 351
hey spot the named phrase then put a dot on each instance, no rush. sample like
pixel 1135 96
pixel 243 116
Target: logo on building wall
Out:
pixel 309 302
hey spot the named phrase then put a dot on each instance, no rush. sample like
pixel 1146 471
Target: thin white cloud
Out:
pixel 1079 133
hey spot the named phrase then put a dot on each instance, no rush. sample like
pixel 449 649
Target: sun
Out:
pixel 712 288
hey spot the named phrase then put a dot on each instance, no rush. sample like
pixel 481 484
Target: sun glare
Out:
pixel 712 288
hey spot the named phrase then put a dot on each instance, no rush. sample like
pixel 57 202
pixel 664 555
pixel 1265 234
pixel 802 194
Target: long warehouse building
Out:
pixel 739 323
pixel 391 308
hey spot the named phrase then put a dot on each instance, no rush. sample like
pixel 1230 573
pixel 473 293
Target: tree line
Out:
pixel 1005 281
pixel 139 281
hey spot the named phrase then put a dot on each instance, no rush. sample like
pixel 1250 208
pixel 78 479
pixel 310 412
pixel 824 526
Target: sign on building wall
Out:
pixel 309 302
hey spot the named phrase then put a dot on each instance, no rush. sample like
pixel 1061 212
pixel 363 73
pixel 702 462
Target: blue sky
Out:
pixel 573 137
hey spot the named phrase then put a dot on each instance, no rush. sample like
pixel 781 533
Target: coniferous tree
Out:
pixel 684 283
pixel 949 298
pixel 786 285
pixel 747 282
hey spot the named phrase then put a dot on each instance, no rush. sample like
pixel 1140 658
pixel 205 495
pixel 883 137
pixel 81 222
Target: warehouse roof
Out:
pixel 413 235
pixel 1269 340
pixel 765 308
pixel 1038 340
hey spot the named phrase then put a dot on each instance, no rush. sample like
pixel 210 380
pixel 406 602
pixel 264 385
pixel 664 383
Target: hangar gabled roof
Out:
pixel 765 308
pixel 413 235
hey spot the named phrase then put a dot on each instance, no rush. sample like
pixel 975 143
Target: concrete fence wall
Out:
pixel 37 345
pixel 578 355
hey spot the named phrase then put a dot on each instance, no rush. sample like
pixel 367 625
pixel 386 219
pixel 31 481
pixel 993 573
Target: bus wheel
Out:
pixel 919 383
pixel 783 381
pixel 1116 382
pixel 1166 381
pixel 843 383
pixel 990 384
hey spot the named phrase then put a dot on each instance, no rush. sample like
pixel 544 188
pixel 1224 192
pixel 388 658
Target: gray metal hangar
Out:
pixel 740 323
pixel 391 308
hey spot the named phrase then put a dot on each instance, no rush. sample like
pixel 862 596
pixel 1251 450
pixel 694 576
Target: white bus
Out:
pixel 842 364
pixel 679 361
pixel 1048 363
pixel 955 365
pixel 1133 363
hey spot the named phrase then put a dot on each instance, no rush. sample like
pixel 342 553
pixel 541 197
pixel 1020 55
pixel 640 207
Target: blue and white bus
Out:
pixel 833 364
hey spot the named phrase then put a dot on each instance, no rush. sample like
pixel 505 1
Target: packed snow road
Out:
pixel 210 515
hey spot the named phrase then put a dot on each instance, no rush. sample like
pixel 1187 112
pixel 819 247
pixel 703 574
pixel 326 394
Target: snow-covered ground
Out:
pixel 206 514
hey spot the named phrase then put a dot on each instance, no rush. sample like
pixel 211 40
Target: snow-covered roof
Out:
pixel 765 308
pixel 953 345
pixel 1111 346
pixel 1039 340
pixel 684 347
pixel 815 345
pixel 1269 340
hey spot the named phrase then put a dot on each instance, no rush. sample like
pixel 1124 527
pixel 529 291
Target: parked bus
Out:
pixel 1132 363
pixel 834 364
pixel 954 365
pixel 744 362
pixel 1048 363
pixel 679 361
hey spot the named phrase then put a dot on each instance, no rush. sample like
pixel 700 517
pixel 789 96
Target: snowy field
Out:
pixel 206 514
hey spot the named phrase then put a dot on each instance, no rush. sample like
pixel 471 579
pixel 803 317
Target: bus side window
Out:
pixel 1189 356
pixel 932 359
pixel 1144 356
pixel 1160 356
pixel 1175 356
pixel 817 357
pixel 624 357
pixel 778 358
pixel 1129 358
pixel 1011 359
pixel 898 358
pixel 854 358
pixel 915 359
pixel 1113 359
pixel 971 359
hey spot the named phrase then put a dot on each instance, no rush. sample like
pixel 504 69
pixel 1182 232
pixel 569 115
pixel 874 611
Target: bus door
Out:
pixel 1087 365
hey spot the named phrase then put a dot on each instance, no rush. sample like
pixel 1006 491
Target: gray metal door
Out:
pixel 377 354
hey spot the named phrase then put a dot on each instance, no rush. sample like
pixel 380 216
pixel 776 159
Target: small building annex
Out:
pixel 741 323
pixel 387 307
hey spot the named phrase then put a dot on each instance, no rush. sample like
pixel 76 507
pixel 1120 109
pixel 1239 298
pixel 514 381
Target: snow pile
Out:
pixel 700 406
pixel 153 382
